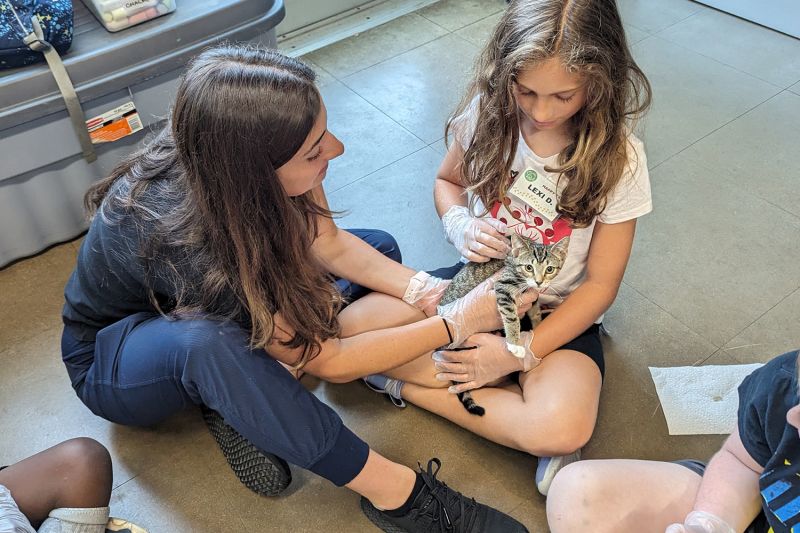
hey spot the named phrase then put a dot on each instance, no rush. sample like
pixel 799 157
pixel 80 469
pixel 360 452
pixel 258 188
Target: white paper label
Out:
pixel 536 191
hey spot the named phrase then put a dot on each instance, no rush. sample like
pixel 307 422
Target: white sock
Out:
pixel 394 387
pixel 76 520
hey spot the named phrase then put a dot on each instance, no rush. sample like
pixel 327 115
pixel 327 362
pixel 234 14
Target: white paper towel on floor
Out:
pixel 700 400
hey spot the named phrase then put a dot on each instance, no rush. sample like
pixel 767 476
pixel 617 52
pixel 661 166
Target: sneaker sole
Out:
pixel 263 473
pixel 378 518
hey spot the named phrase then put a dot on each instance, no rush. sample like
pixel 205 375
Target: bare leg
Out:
pixel 75 473
pixel 553 414
pixel 620 496
pixel 419 372
pixel 376 311
pixel 386 484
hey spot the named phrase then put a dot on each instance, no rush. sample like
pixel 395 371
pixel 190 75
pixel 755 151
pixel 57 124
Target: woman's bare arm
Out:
pixel 343 254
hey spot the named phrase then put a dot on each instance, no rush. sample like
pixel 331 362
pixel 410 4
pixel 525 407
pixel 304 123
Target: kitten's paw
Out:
pixel 516 351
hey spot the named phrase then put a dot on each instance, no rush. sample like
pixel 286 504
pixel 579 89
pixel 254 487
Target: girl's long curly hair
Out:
pixel 589 39
pixel 215 223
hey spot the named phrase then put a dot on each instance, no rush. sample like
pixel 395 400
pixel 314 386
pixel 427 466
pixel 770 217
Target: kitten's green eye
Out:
pixel 550 270
pixel 529 268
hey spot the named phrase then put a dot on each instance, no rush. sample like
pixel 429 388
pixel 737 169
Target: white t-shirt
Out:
pixel 630 199
pixel 11 518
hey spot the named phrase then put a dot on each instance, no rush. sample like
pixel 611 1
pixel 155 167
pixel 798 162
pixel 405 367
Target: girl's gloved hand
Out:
pixel 486 363
pixel 424 292
pixel 477 239
pixel 477 311
pixel 701 522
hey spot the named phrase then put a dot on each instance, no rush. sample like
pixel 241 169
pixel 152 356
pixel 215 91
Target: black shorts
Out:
pixel 587 343
pixel 759 525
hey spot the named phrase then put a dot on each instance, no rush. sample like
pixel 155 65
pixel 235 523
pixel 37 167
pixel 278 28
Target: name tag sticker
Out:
pixel 536 191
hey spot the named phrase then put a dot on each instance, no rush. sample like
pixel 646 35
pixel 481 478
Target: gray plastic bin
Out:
pixel 42 174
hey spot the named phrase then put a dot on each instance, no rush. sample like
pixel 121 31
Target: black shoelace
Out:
pixel 444 498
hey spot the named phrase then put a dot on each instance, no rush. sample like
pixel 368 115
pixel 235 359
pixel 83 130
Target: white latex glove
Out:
pixel 477 312
pixel 424 292
pixel 477 239
pixel 488 361
pixel 701 522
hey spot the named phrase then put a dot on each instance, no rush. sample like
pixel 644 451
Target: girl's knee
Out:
pixel 543 443
pixel 573 437
pixel 553 434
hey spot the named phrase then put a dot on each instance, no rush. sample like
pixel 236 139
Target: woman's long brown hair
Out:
pixel 588 37
pixel 216 224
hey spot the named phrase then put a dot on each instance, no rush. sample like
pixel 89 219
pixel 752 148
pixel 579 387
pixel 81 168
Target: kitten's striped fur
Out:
pixel 529 265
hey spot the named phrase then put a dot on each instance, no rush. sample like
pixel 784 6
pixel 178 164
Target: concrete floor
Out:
pixel 714 277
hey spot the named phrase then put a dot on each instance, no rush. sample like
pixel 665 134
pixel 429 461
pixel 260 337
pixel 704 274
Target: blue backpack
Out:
pixel 55 18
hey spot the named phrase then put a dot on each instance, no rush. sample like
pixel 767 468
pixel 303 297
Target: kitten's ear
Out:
pixel 560 248
pixel 517 244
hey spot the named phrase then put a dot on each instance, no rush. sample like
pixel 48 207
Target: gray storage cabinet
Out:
pixel 43 176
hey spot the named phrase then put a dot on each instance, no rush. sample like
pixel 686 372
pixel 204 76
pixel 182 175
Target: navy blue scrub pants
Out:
pixel 144 368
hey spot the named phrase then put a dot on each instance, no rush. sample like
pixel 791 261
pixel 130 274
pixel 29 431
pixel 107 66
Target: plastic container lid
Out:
pixel 116 15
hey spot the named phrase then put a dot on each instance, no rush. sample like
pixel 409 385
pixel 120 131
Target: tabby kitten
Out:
pixel 529 265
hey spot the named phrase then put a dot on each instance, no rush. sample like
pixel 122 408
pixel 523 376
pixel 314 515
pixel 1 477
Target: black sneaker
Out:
pixel 263 473
pixel 437 507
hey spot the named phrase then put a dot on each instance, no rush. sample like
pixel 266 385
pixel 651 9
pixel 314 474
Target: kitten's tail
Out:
pixel 470 405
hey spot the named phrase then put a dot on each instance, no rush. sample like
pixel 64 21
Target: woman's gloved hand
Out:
pixel 424 292
pixel 477 239
pixel 477 311
pixel 701 522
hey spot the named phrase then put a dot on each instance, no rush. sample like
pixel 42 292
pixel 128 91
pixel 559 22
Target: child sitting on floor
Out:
pixel 751 484
pixel 64 489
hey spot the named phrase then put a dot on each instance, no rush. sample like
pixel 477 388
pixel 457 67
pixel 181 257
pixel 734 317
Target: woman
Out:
pixel 209 263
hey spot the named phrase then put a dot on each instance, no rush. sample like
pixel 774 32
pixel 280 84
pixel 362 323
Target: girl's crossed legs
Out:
pixel 551 411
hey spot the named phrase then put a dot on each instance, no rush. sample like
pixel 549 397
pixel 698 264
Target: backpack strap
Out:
pixel 36 42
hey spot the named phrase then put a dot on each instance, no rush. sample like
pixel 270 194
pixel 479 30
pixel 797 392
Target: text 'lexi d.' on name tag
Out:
pixel 536 190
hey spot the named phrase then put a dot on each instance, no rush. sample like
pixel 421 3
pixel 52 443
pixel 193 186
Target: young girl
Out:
pixel 543 141
pixel 208 264
pixel 63 489
pixel 750 485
